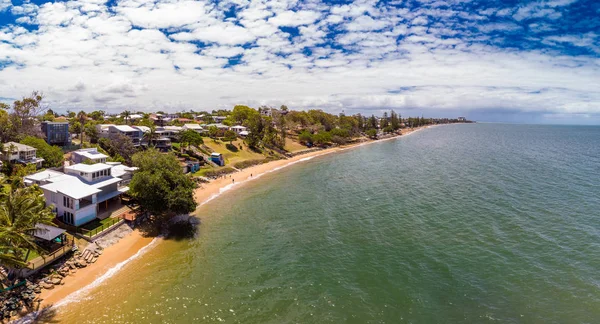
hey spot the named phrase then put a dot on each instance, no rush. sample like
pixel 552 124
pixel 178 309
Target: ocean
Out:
pixel 470 223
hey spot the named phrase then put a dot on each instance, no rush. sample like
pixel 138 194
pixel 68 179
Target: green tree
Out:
pixel 160 186
pixel 21 208
pixel 213 131
pixel 126 114
pixel 76 128
pixel 229 136
pixel 190 137
pixel 52 155
pixel 372 133
pixel 91 132
pixel 305 137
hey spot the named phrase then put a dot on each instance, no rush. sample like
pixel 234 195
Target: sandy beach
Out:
pixel 116 256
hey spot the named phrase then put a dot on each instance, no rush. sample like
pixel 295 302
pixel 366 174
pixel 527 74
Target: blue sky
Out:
pixel 515 61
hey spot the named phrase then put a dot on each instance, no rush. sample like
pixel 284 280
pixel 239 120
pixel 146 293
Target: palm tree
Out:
pixel 150 135
pixel 81 117
pixel 21 208
pixel 126 115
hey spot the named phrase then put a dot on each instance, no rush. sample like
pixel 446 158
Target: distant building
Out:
pixel 110 131
pixel 238 129
pixel 57 133
pixel 13 152
pixel 89 154
pixel 194 127
pixel 219 119
pixel 462 119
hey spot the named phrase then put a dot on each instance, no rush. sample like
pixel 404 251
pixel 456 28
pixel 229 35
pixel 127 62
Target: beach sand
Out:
pixel 130 245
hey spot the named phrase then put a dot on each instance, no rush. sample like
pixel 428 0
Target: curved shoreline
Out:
pixel 133 246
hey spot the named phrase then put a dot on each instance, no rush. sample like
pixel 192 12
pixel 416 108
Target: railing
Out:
pixel 45 259
pixel 104 226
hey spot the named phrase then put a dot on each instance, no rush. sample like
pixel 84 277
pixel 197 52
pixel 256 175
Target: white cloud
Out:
pixel 172 54
pixel 295 18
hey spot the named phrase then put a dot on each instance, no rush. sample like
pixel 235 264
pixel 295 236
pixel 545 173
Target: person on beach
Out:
pixel 232 180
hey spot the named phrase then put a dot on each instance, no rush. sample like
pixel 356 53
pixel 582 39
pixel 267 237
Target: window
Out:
pixel 68 217
pixel 68 202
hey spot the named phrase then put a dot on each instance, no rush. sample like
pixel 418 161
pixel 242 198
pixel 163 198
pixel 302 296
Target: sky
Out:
pixel 504 60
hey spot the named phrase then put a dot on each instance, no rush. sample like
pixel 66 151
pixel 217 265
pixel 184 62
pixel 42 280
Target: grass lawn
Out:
pixel 293 146
pixel 176 146
pixel 233 157
pixel 32 255
pixel 97 224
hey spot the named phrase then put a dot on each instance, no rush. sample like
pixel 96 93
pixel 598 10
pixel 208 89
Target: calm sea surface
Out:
pixel 455 224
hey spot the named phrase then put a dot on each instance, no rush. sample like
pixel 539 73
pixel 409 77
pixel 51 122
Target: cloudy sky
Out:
pixel 503 60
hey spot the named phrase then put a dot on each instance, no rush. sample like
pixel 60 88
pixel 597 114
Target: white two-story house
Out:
pixel 77 195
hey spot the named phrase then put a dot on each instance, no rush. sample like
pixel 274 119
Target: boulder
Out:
pixel 55 281
pixel 46 285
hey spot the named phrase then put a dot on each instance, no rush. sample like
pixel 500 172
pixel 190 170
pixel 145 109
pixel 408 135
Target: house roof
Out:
pixel 238 127
pixel 71 186
pixel 144 129
pixel 244 133
pixel 217 125
pixel 91 154
pixel 20 147
pixel 44 175
pixel 215 154
pixel 192 126
pixel 106 182
pixel 120 170
pixel 47 232
pixel 81 167
pixel 124 128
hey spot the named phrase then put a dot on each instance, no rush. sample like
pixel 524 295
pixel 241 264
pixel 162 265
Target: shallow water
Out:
pixel 462 223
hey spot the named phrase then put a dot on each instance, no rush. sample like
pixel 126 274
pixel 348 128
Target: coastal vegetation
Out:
pixel 21 208
pixel 160 186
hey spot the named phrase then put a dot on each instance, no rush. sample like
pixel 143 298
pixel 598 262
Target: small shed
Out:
pixel 217 158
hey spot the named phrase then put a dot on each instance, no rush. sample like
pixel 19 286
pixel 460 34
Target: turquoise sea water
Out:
pixel 454 224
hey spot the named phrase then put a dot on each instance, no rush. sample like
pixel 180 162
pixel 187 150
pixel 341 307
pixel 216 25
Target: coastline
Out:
pixel 134 245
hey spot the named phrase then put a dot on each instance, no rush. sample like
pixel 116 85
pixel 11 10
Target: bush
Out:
pixel 231 147
pixel 249 163
pixel 216 173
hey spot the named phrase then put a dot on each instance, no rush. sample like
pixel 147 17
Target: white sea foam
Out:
pixel 79 294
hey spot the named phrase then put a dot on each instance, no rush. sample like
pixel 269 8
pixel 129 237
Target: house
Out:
pixel 135 116
pixel 238 129
pixel 219 119
pixel 462 119
pixel 194 127
pixel 56 133
pixel 190 166
pixel 217 158
pixel 244 133
pixel 110 131
pixel 218 126
pixel 88 154
pixel 168 131
pixel 162 144
pixel 20 153
pixel 78 194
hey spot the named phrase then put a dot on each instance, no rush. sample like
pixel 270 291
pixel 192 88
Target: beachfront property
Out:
pixel 194 127
pixel 217 158
pixel 110 131
pixel 238 129
pixel 56 133
pixel 82 192
pixel 189 166
pixel 13 152
pixel 88 155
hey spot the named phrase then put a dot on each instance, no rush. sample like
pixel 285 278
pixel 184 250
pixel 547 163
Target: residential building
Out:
pixel 13 152
pixel 219 126
pixel 238 129
pixel 219 119
pixel 56 133
pixel 194 127
pixel 80 194
pixel 462 119
pixel 88 154
pixel 110 131
pixel 168 131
